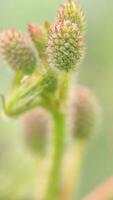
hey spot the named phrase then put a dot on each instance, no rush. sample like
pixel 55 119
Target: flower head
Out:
pixel 84 112
pixel 17 51
pixel 36 129
pixel 39 38
pixel 65 45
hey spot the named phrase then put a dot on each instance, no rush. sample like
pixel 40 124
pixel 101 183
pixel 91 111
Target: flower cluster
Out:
pixel 43 63
pixel 62 45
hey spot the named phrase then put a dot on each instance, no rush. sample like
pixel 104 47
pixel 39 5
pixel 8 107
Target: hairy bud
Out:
pixel 84 112
pixel 36 127
pixel 17 51
pixel 65 45
pixel 39 38
pixel 73 12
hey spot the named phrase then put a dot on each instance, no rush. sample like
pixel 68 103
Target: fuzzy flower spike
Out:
pixel 65 45
pixel 17 51
pixel 84 112
pixel 39 38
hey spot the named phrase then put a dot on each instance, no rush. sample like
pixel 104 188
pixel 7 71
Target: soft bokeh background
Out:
pixel 96 72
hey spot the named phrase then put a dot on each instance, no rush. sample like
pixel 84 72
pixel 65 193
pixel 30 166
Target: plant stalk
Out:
pixel 59 144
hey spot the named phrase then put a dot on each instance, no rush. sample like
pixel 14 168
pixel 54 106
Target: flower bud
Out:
pixel 73 12
pixel 36 129
pixel 39 38
pixel 17 51
pixel 65 45
pixel 84 112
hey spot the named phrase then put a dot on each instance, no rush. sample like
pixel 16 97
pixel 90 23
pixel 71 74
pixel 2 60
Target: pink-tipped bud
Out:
pixel 84 111
pixel 65 46
pixel 17 51
pixel 39 38
pixel 73 12
pixel 37 127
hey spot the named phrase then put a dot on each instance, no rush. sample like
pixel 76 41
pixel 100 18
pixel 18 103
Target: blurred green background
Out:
pixel 96 72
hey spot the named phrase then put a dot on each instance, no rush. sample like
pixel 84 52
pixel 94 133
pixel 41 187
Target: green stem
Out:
pixel 64 87
pixel 59 140
pixel 18 77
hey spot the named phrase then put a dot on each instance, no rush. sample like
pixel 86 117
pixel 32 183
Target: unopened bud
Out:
pixel 39 38
pixel 37 127
pixel 17 51
pixel 73 12
pixel 84 112
pixel 65 45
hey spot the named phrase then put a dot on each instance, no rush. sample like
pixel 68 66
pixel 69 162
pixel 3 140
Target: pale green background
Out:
pixel 96 72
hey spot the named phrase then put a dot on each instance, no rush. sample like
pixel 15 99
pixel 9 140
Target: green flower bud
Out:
pixel 17 51
pixel 39 38
pixel 74 13
pixel 65 46
pixel 36 130
pixel 33 91
pixel 84 112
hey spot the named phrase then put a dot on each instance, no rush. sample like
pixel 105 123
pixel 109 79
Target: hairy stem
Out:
pixel 64 88
pixel 17 79
pixel 59 140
